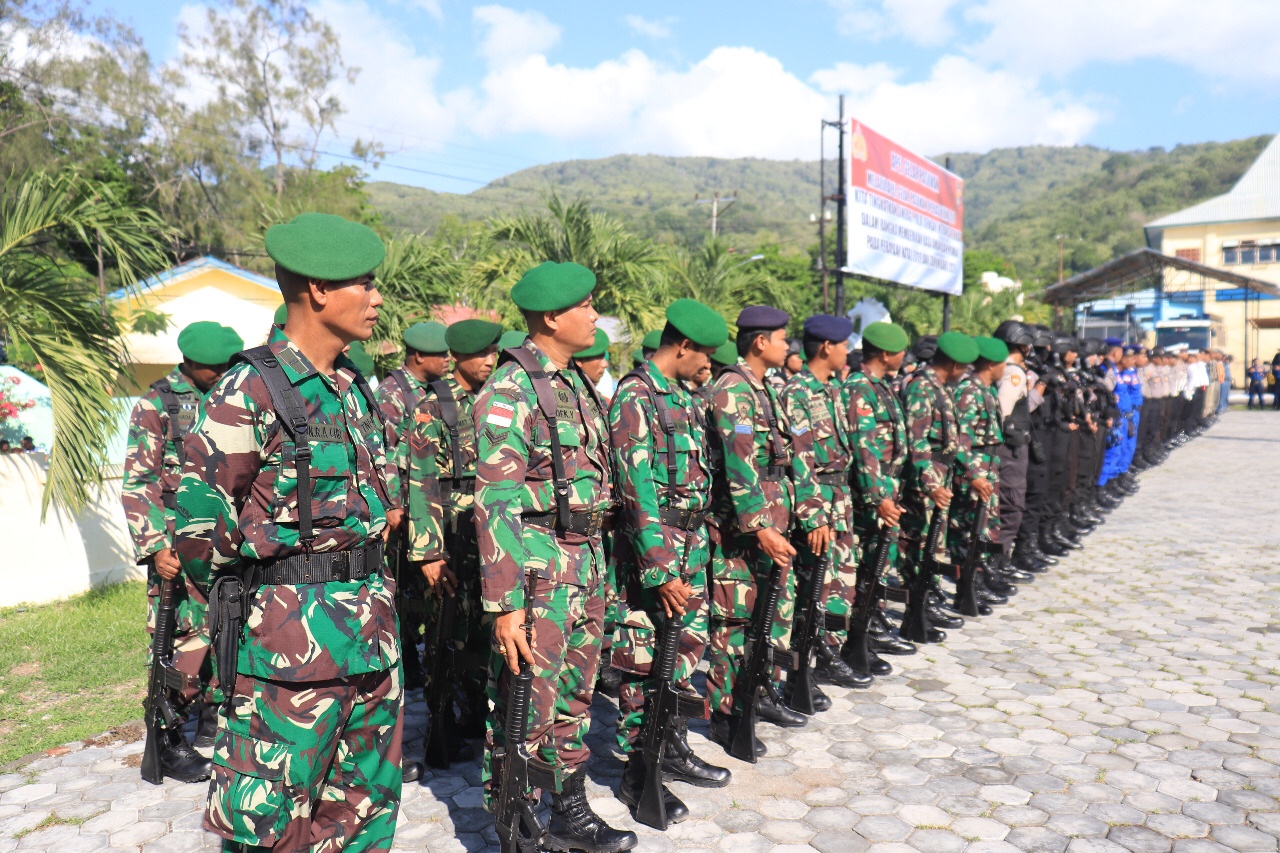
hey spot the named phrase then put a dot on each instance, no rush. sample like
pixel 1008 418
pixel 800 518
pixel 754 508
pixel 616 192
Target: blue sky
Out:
pixel 475 91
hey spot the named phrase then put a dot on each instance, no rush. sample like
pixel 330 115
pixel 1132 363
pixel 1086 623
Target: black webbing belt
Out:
pixel 682 519
pixel 835 480
pixel 773 473
pixel 326 567
pixel 582 523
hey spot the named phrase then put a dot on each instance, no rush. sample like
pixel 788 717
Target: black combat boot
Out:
pixel 1051 546
pixel 180 761
pixel 609 679
pixel 721 731
pixel 916 626
pixel 860 658
pixel 574 826
pixel 207 728
pixel 411 771
pixel 833 670
pixel 818 700
pixel 681 764
pixel 882 639
pixel 633 777
pixel 771 710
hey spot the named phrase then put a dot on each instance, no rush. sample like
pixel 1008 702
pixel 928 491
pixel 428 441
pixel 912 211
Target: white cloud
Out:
pixel 512 36
pixel 960 107
pixel 431 7
pixel 653 29
pixel 920 21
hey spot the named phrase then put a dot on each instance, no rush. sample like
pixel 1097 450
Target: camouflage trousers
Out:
pixel 964 511
pixel 612 607
pixel 566 652
pixel 469 640
pixel 633 650
pixel 192 651
pixel 312 765
pixel 738 570
pixel 915 536
pixel 840 581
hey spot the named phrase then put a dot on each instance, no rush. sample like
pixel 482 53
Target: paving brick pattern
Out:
pixel 1127 701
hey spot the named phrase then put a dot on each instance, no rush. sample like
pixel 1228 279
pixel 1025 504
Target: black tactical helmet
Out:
pixel 1094 346
pixel 1015 333
pixel 1044 336
pixel 1065 343
pixel 925 348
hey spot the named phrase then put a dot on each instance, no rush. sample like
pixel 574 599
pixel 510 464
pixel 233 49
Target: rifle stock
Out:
pixel 807 633
pixel 867 588
pixel 160 715
pixel 966 583
pixel 441 736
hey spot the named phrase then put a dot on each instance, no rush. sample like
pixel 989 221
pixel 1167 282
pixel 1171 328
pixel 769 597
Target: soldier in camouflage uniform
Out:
pixel 543 490
pixel 879 431
pixel 283 506
pixel 152 468
pixel 980 437
pixel 442 531
pixel 933 450
pixel 754 498
pixel 425 360
pixel 823 442
pixel 660 453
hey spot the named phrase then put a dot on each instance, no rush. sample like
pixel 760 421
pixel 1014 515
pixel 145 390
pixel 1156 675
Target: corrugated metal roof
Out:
pixel 1255 196
pixel 193 266
pixel 1120 273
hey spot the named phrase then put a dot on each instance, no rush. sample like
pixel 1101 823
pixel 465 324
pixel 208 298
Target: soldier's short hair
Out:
pixel 746 337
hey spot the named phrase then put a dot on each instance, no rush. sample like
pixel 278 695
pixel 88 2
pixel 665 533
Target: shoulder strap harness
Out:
pixel 666 422
pixel 172 407
pixel 449 414
pixel 766 405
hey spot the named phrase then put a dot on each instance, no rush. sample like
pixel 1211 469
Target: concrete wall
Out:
pixel 64 555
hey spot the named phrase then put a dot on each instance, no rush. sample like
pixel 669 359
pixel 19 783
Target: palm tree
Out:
pixel 716 275
pixel 50 310
pixel 629 269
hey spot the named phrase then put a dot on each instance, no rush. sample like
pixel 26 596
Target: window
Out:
pixel 1266 253
pixel 1230 255
pixel 1188 254
pixel 1248 252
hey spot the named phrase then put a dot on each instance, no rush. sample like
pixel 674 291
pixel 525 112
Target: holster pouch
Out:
pixel 1037 451
pixel 228 612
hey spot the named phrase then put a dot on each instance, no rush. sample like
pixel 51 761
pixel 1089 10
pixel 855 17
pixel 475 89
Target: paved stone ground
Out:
pixel 1127 701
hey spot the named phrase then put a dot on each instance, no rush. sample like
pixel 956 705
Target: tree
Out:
pixel 49 310
pixel 276 62
pixel 726 280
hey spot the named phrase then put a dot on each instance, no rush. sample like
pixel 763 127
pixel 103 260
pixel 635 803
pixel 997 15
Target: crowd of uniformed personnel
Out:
pixel 488 526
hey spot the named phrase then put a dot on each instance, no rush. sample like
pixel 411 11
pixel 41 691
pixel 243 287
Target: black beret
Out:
pixel 826 327
pixel 762 317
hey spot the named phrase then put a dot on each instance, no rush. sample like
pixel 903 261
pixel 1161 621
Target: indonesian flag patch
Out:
pixel 500 415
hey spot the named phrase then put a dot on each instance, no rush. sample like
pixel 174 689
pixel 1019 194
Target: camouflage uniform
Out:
pixel 754 492
pixel 652 552
pixel 978 416
pixel 514 482
pixel 823 456
pixel 441 522
pixel 152 469
pixel 308 749
pixel 932 437
pixel 880 442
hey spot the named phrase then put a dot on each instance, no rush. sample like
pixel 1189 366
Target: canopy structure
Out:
pixel 1147 268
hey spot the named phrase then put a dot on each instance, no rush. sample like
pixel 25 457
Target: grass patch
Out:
pixel 72 669
pixel 51 820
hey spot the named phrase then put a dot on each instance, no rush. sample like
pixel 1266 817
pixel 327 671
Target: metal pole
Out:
pixel 946 312
pixel 822 213
pixel 842 257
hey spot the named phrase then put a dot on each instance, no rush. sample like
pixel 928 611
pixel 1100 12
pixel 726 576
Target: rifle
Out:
pixel 808 628
pixel 915 622
pixel 867 588
pixel 160 716
pixel 966 582
pixel 439 687
pixel 518 772
pixel 663 702
pixel 759 657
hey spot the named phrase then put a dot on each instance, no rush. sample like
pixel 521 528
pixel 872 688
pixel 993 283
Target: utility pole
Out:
pixel 716 208
pixel 822 213
pixel 842 256
pixel 1060 238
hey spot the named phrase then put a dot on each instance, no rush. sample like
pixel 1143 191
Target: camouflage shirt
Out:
pixel 514 477
pixel 823 446
pixel 152 468
pixel 879 437
pixel 398 395
pixel 431 472
pixel 932 431
pixel 238 503
pixel 978 415
pixel 640 453
pixel 749 446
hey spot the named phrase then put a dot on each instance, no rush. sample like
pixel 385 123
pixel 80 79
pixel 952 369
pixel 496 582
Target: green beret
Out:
pixel 207 342
pixel 886 337
pixel 325 247
pixel 958 347
pixel 991 349
pixel 597 349
pixel 282 314
pixel 467 337
pixel 426 337
pixel 698 323
pixel 637 357
pixel 360 358
pixel 727 354
pixel 513 338
pixel 550 286
pixel 652 340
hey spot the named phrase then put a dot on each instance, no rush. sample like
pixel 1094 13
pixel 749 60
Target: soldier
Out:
pixel 814 402
pixel 878 424
pixel 755 497
pixel 934 453
pixel 543 489
pixel 660 452
pixel 425 360
pixel 152 468
pixel 1017 399
pixel 441 474
pixel 594 360
pixel 283 506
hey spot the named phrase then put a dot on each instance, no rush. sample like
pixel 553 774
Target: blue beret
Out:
pixel 1133 349
pixel 762 317
pixel 1113 342
pixel 825 327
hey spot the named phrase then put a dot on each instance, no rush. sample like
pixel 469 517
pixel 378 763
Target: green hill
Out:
pixel 1016 199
